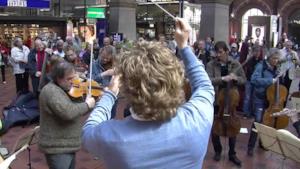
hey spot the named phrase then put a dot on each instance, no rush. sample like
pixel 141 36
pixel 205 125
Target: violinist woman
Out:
pixel 221 70
pixel 264 75
pixel 102 70
pixel 102 64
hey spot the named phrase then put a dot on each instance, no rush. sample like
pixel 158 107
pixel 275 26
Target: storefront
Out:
pixel 152 21
pixel 30 27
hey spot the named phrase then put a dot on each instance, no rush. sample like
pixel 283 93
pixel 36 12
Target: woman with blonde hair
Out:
pixel 162 131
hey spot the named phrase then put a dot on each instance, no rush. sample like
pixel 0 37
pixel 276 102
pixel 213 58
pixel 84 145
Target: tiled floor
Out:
pixel 261 159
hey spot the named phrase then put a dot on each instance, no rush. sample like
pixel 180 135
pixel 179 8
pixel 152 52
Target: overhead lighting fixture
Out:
pixel 232 15
pixel 91 6
pixel 159 2
pixel 4 14
pixel 148 19
pixel 45 10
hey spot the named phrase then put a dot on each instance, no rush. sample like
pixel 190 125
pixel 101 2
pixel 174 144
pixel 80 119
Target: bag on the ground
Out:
pixel 22 110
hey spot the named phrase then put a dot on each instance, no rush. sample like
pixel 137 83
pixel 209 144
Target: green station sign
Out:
pixel 95 13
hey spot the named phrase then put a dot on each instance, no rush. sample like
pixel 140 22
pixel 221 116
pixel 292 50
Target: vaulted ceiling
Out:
pixel 284 8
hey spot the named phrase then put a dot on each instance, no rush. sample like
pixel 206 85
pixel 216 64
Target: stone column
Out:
pixel 122 17
pixel 214 19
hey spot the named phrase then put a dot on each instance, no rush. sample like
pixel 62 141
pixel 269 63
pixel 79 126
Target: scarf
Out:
pixel 40 59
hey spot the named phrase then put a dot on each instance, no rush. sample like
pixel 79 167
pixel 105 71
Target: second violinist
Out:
pixel 222 71
pixel 102 70
pixel 102 65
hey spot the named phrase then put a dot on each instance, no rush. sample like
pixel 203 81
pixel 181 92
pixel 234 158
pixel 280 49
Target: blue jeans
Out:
pixel 247 105
pixel 259 108
pixel 35 81
pixel 61 161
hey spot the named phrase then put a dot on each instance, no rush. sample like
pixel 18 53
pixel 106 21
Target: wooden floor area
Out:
pixel 261 160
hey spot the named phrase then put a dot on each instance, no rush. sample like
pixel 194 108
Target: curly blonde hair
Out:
pixel 152 80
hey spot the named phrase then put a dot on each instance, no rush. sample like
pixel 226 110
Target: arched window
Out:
pixel 250 12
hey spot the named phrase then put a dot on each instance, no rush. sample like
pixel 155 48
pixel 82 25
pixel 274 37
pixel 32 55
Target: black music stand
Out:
pixel 25 141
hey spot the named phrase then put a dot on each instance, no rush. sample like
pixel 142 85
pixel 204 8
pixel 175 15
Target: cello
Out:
pixel 227 123
pixel 276 96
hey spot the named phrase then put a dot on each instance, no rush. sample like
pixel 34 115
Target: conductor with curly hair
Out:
pixel 163 131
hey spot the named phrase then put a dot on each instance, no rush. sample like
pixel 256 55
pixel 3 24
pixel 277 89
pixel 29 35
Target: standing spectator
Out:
pixel 234 53
pixel 162 40
pixel 35 63
pixel 249 69
pixel 107 42
pixel 59 48
pixel 19 58
pixel 209 45
pixel 201 53
pixel 3 61
pixel 2 66
pixel 288 59
pixel 71 42
pixel 279 45
pixel 172 45
pixel 245 49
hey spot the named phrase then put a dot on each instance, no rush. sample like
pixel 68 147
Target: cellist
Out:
pixel 221 70
pixel 265 74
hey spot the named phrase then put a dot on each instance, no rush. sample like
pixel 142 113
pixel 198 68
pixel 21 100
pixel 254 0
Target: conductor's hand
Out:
pixel 182 32
pixel 114 84
pixel 90 101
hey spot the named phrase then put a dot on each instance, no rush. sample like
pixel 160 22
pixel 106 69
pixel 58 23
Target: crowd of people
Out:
pixel 162 123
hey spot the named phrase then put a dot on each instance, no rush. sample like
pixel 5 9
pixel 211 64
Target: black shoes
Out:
pixel 235 160
pixel 217 157
pixel 232 158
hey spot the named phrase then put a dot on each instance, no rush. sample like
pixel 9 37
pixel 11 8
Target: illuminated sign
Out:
pixel 95 13
pixel 26 3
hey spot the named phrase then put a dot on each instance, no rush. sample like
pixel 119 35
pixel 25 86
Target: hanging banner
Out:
pixel 102 26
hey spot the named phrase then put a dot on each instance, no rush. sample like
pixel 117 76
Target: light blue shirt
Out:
pixel 178 143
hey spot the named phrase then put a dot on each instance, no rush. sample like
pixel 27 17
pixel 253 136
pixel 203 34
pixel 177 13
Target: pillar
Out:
pixel 122 18
pixel 214 19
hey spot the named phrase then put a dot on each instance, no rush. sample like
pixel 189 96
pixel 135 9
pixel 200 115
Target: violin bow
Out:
pixel 173 17
pixel 91 65
pixel 285 111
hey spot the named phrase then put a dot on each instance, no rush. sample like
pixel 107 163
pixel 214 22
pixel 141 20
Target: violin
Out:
pixel 81 88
